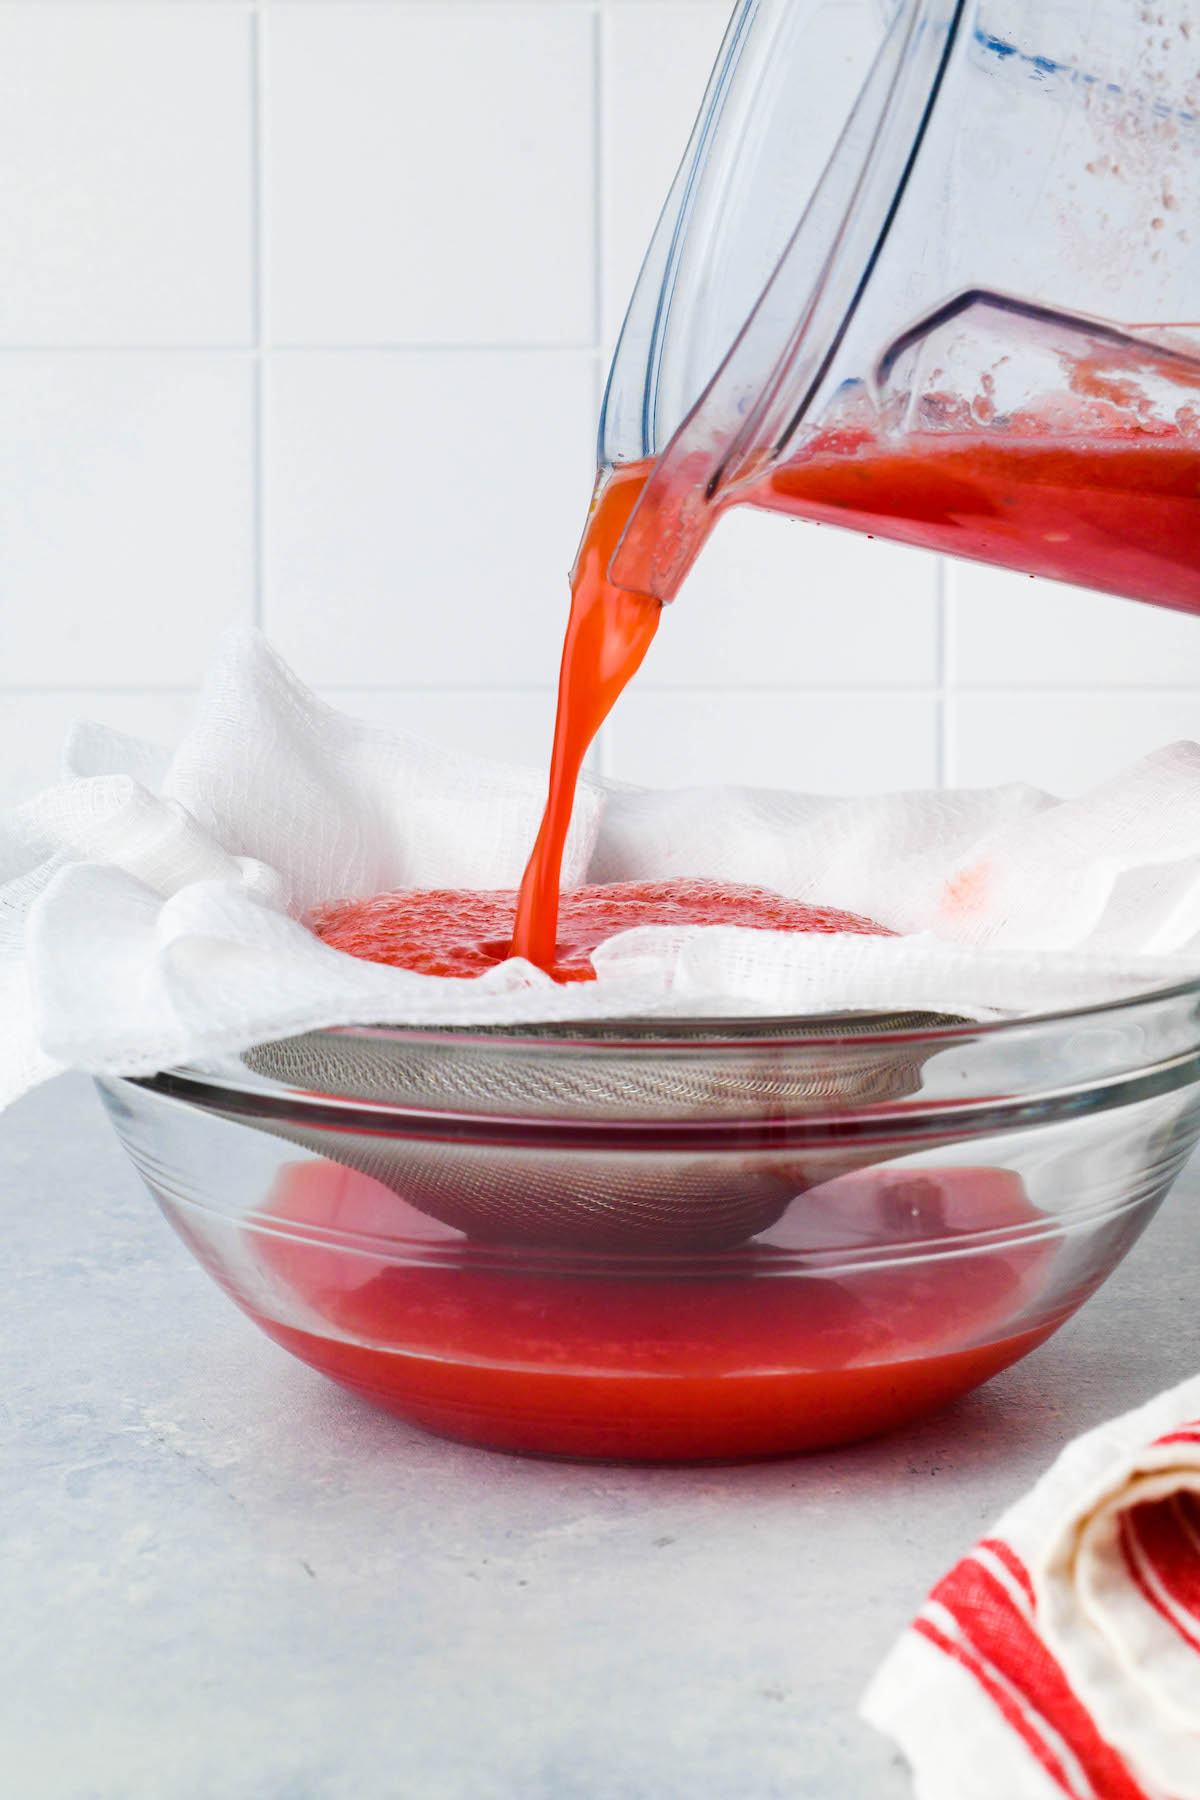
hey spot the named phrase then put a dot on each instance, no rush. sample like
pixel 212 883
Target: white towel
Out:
pixel 1062 1655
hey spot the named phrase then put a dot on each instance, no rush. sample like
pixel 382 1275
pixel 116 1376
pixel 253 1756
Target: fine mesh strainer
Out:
pixel 640 1073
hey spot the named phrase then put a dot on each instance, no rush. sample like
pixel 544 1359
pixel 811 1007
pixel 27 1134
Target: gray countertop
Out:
pixel 224 1579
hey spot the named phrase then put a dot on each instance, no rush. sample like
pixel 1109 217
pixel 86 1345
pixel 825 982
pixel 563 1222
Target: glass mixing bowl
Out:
pixel 673 1240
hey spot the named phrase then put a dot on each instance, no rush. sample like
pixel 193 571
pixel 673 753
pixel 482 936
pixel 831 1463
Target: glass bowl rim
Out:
pixel 673 1035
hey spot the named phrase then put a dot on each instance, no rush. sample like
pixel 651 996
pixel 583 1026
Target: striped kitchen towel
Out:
pixel 1062 1655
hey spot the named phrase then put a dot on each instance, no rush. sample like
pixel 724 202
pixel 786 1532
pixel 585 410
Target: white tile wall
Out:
pixel 304 310
pixel 1064 741
pixel 428 174
pixel 782 603
pixel 833 743
pixel 126 174
pixel 1083 639
pixel 126 515
pixel 422 512
pixel 36 724
pixel 513 726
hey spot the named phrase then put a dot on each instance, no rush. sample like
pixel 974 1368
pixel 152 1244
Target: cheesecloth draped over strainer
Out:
pixel 151 906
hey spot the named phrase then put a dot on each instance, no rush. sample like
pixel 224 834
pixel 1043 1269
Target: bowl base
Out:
pixel 650 1418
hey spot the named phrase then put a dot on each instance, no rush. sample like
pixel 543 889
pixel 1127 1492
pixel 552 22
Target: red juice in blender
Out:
pixel 1118 513
pixel 1097 484
pixel 995 431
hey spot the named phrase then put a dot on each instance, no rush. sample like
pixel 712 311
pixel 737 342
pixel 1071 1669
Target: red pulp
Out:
pixel 463 932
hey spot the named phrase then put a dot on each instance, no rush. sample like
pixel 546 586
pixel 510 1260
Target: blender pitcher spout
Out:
pixel 995 180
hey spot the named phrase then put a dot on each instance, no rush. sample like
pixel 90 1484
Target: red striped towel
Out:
pixel 1062 1656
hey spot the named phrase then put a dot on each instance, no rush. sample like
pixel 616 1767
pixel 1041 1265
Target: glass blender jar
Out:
pixel 973 329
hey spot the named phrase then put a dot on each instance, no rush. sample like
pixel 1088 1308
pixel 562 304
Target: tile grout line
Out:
pixel 247 350
pixel 945 747
pixel 697 690
pixel 258 428
pixel 248 6
pixel 599 47
pixel 597 759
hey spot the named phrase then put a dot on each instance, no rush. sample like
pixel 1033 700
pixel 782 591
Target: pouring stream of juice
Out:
pixel 608 633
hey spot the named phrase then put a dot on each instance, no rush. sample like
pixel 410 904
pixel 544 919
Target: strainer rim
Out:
pixel 556 1030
